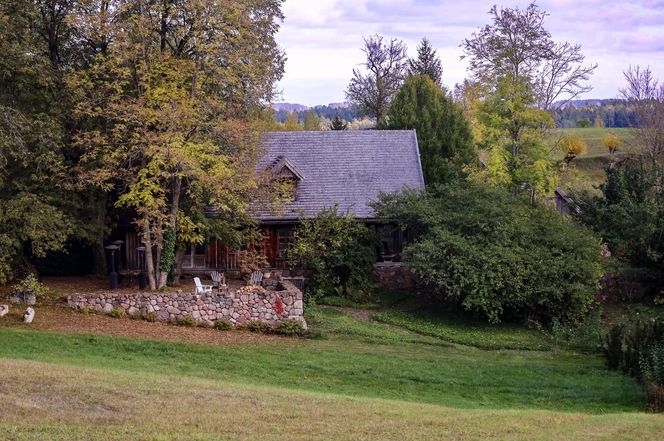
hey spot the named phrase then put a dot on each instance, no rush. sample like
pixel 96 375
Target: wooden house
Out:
pixel 347 168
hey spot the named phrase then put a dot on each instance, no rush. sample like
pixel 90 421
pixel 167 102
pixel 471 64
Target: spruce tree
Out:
pixel 426 63
pixel 443 133
pixel 338 124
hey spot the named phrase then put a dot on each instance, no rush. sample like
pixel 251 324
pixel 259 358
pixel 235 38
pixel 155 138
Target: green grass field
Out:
pixel 587 171
pixel 358 380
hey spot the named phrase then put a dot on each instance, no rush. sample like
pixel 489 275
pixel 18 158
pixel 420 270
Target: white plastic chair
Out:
pixel 200 288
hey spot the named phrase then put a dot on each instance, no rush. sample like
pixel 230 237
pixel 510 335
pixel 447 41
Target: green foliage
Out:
pixel 259 327
pixel 187 321
pixel 31 285
pixel 117 313
pixel 338 249
pixel 497 256
pixel 167 264
pixel 651 364
pixel 311 121
pixel 223 325
pixel 587 336
pixel 426 63
pixel 627 344
pixel 583 124
pixel 291 328
pixel 512 129
pixel 338 124
pixel 443 133
pixel 629 215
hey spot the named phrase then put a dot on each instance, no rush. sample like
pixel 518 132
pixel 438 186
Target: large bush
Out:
pixel 629 215
pixel 339 250
pixel 494 254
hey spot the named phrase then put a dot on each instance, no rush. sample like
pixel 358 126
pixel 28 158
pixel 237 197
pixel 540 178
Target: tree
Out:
pixel 291 124
pixel 338 124
pixel 646 95
pixel 339 250
pixel 522 72
pixel 494 255
pixel 612 143
pixel 426 63
pixel 629 215
pixel 572 146
pixel 372 92
pixel 311 121
pixel 166 115
pixel 443 133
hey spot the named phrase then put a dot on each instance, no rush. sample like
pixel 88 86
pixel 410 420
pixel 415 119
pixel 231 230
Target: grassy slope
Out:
pixel 391 383
pixel 587 170
pixel 67 403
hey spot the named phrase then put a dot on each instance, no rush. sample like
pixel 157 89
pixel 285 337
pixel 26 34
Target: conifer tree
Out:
pixel 443 133
pixel 426 63
pixel 338 124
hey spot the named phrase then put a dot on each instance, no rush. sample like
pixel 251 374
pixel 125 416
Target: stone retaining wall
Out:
pixel 393 275
pixel 239 307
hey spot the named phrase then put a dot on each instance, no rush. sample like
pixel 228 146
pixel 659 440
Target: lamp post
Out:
pixel 142 277
pixel 112 276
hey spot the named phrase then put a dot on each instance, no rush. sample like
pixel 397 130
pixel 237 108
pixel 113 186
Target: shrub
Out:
pixel 652 364
pixel 291 328
pixel 222 325
pixel 186 320
pixel 150 317
pixel 258 326
pixel 30 285
pixel 635 347
pixel 117 313
pixel 497 255
pixel 587 336
pixel 339 250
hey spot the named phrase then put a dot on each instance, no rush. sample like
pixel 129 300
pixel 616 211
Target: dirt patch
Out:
pixel 56 319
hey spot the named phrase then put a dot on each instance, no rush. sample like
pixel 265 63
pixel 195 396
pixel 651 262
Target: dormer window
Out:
pixel 287 176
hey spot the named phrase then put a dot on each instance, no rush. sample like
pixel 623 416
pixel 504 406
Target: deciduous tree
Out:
pixel 385 67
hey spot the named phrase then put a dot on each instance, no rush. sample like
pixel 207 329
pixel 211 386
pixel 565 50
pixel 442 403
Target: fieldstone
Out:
pixel 108 308
pixel 132 310
pixel 298 304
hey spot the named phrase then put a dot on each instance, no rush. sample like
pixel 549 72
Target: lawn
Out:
pixel 356 380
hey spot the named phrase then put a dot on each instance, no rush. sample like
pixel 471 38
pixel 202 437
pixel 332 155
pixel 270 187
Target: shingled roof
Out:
pixel 348 168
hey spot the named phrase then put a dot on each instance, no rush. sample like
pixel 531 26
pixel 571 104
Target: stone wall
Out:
pixel 393 275
pixel 239 307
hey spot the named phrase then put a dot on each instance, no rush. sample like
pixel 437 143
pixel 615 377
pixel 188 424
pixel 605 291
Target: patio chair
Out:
pixel 256 278
pixel 200 288
pixel 218 280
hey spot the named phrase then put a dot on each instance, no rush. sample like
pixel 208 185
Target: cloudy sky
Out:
pixel 322 38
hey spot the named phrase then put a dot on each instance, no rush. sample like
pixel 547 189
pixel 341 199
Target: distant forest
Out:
pixel 613 113
pixel 329 112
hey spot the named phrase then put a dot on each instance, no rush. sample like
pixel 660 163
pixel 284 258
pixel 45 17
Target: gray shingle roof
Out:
pixel 348 168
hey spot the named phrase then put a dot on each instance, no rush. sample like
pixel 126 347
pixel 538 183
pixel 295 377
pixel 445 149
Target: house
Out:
pixel 348 169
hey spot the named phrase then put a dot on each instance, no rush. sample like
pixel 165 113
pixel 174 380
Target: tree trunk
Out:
pixel 99 257
pixel 179 259
pixel 149 261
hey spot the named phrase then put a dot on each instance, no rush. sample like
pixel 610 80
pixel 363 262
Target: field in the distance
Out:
pixel 360 380
pixel 587 171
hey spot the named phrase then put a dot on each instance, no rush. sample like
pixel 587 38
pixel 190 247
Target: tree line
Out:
pixel 149 108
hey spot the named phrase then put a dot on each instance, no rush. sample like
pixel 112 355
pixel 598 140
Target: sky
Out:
pixel 323 38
